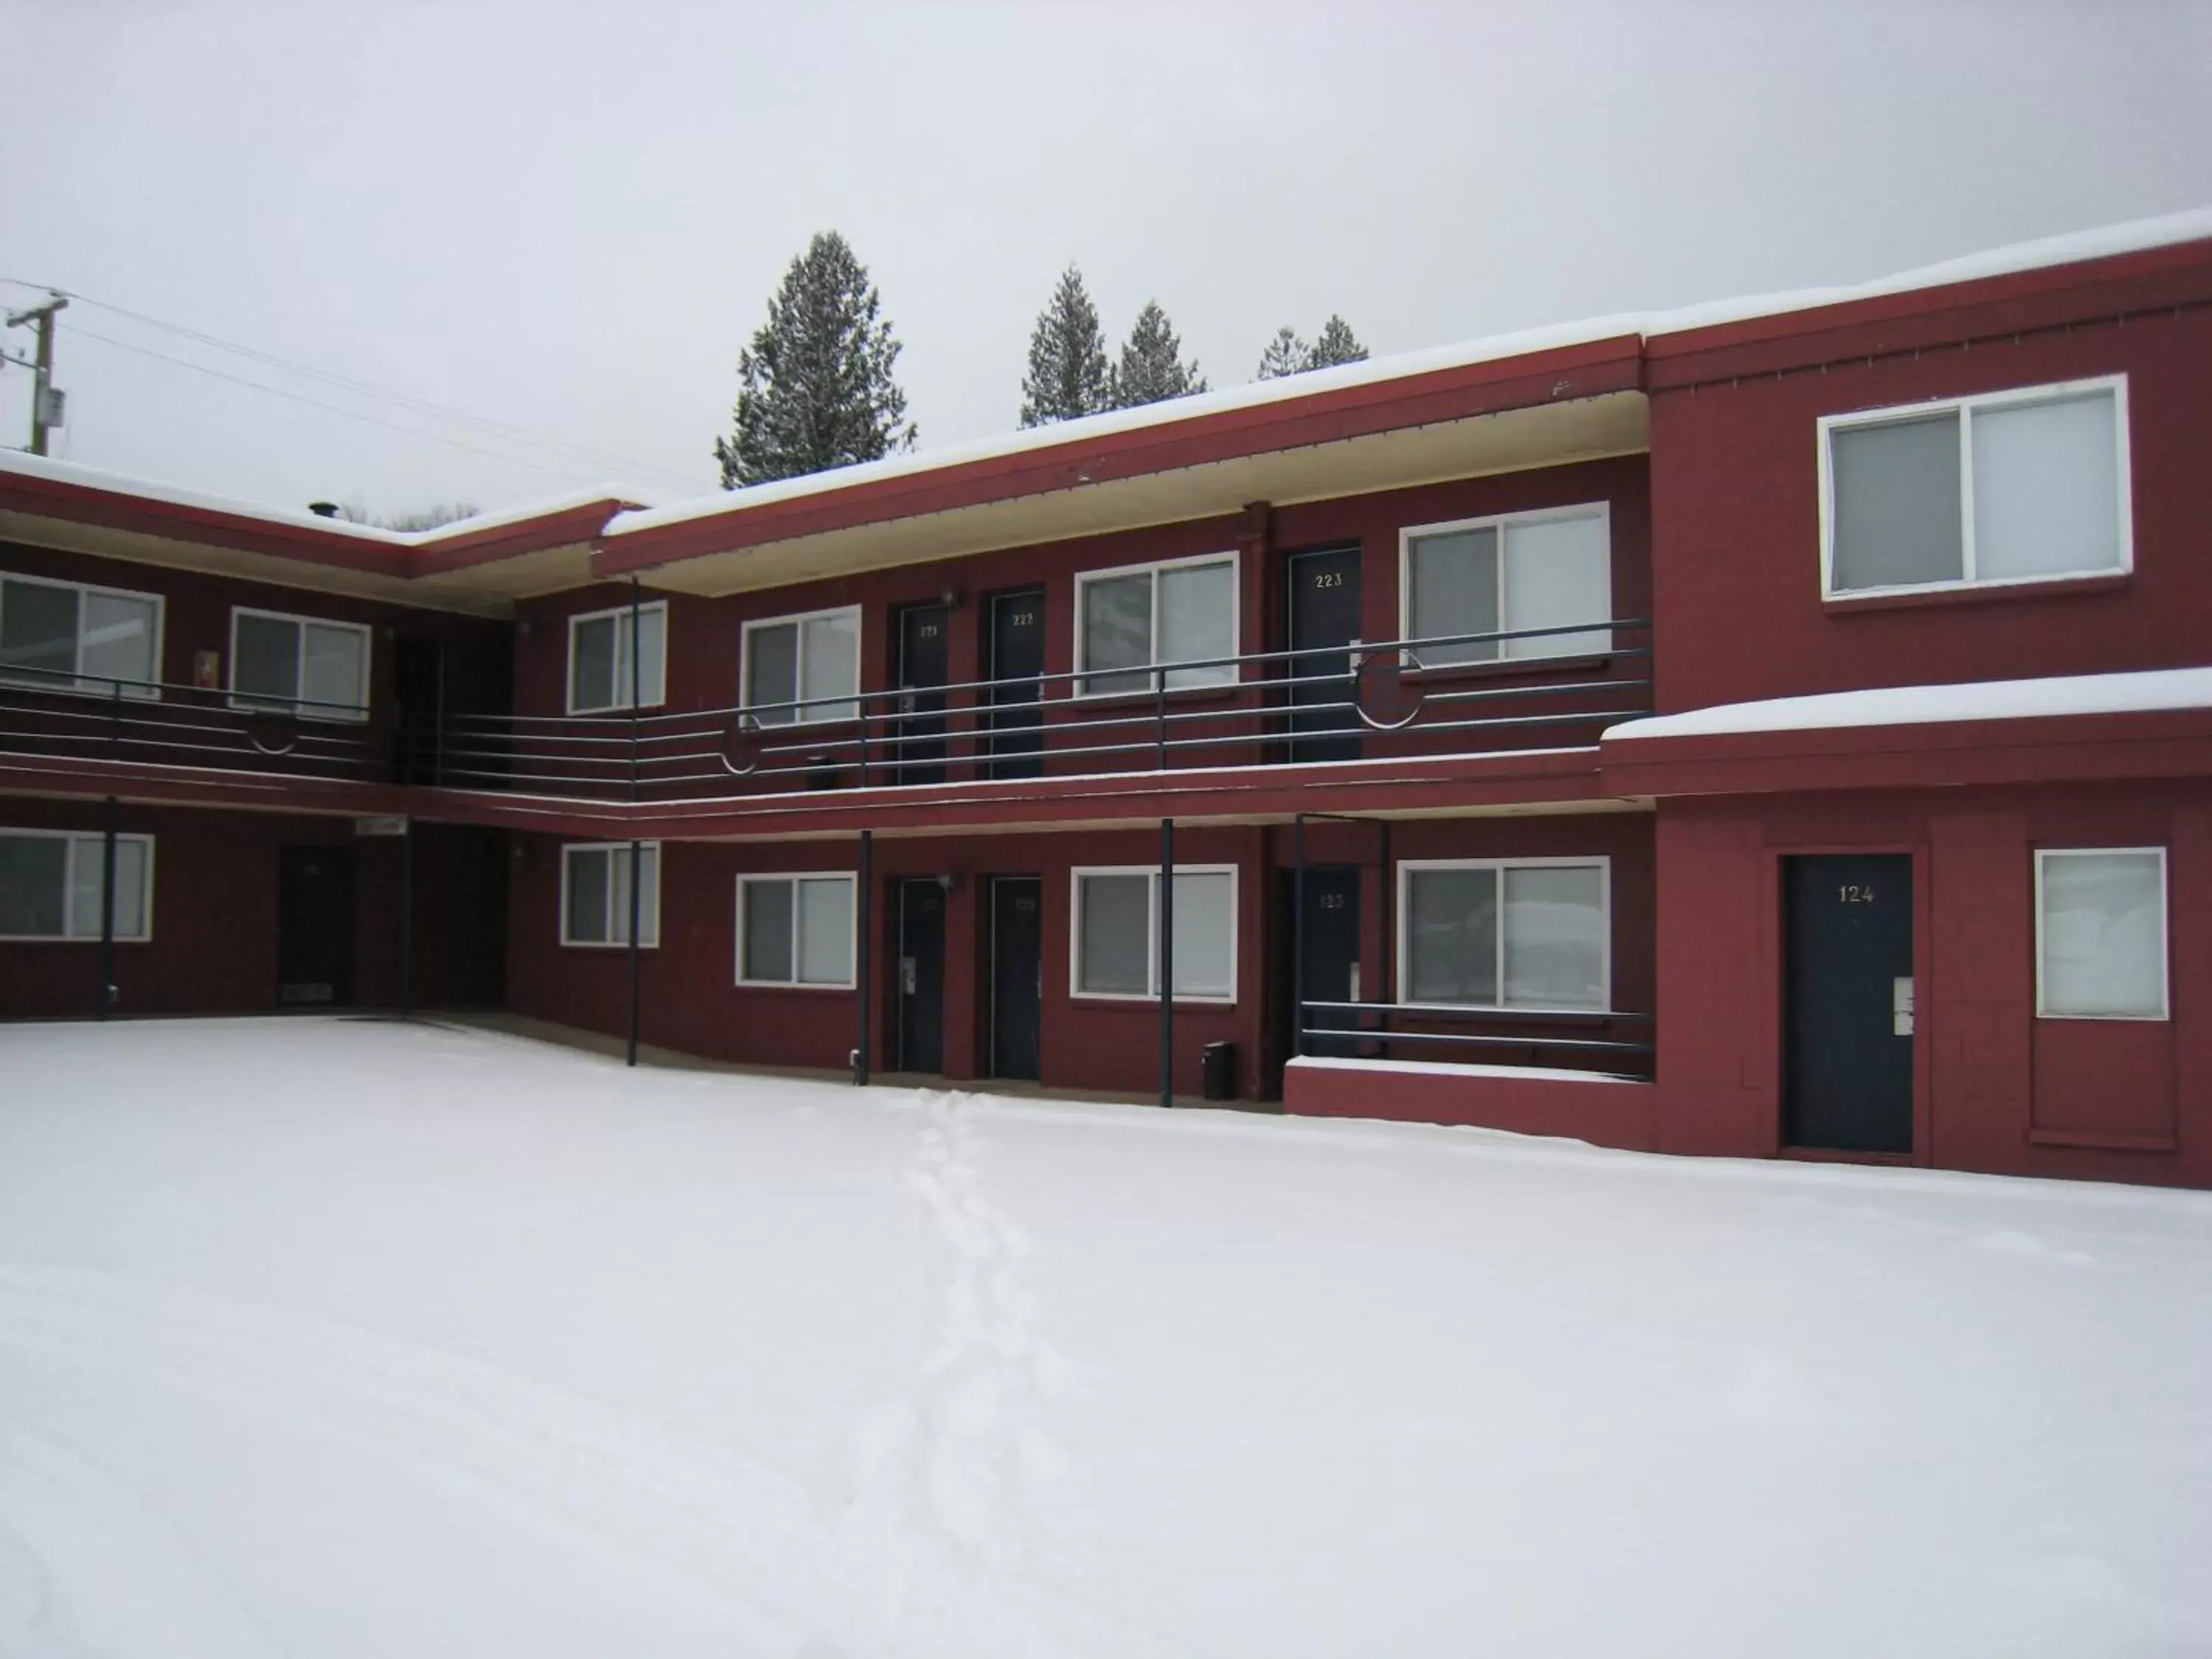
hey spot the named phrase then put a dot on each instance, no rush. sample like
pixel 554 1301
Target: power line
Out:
pixel 568 473
pixel 425 405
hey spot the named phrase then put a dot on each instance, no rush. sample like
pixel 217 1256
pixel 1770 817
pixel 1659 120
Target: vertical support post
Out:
pixel 107 911
pixel 1298 935
pixel 863 972
pixel 407 921
pixel 637 851
pixel 1167 961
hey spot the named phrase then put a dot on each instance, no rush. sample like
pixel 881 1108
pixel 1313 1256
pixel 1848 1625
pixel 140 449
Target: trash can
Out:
pixel 1219 1066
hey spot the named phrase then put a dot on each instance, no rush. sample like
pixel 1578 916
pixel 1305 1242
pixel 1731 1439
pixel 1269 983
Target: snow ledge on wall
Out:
pixel 2151 691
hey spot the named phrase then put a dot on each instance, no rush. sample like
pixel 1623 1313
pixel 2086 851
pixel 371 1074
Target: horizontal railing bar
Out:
pixel 1361 1034
pixel 1449 1011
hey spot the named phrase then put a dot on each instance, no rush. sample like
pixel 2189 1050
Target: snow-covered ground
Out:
pixel 321 1336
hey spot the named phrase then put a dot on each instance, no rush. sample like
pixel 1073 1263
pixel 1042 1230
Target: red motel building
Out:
pixel 1780 729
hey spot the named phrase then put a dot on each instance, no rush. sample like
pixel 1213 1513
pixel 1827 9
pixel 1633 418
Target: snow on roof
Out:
pixel 2165 231
pixel 2152 692
pixel 121 483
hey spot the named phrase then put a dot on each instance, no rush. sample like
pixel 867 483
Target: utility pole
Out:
pixel 44 399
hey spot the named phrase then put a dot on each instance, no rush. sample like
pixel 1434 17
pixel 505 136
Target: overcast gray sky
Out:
pixel 568 218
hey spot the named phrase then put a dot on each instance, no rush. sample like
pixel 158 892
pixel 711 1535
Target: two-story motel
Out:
pixel 1780 729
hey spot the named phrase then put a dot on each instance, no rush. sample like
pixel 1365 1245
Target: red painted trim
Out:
pixel 78 503
pixel 1449 394
pixel 2150 279
pixel 2175 742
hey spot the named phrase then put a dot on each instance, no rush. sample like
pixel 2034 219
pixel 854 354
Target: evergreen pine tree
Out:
pixel 1286 354
pixel 1152 368
pixel 815 388
pixel 1337 344
pixel 1067 377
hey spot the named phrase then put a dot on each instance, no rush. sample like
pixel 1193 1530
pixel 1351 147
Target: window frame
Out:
pixel 852 980
pixel 1075 991
pixel 261 702
pixel 799 700
pixel 1965 404
pixel 92 839
pixel 149 693
pixel 1601 510
pixel 1402 944
pixel 568 849
pixel 2165 1015
pixel 1155 672
pixel 659 685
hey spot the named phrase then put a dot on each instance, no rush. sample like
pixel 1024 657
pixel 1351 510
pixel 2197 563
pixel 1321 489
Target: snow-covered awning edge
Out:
pixel 2157 690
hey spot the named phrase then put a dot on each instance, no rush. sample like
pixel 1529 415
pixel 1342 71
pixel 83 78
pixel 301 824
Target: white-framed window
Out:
pixel 52 884
pixel 304 665
pixel 1506 933
pixel 1551 568
pixel 2005 487
pixel 100 636
pixel 1133 618
pixel 802 670
pixel 797 929
pixel 1114 947
pixel 2101 949
pixel 595 894
pixel 601 665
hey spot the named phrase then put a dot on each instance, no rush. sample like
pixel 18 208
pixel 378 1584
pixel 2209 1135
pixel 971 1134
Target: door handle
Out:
pixel 1354 977
pixel 1901 1006
pixel 906 975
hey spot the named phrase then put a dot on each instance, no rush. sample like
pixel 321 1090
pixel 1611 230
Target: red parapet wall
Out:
pixel 1602 1109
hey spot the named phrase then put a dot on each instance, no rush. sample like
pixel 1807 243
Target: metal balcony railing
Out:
pixel 1254 708
pixel 1376 1029
pixel 51 713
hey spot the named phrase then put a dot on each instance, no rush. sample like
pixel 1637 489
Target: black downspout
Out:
pixel 1388 964
pixel 637 851
pixel 107 913
pixel 1298 936
pixel 863 973
pixel 1167 962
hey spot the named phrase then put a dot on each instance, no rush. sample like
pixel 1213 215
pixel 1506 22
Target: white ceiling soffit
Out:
pixel 1617 423
pixel 487 590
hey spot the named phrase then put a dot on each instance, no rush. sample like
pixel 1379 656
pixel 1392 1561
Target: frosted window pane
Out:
pixel 768 931
pixel 1896 506
pixel 1455 591
pixel 825 931
pixel 119 638
pixel 1451 935
pixel 649 900
pixel 832 661
pixel 2104 935
pixel 33 873
pixel 1198 621
pixel 1557 572
pixel 267 665
pixel 38 630
pixel 587 897
pixel 653 629
pixel 130 889
pixel 1115 948
pixel 336 671
pixel 84 874
pixel 1204 928
pixel 86 869
pixel 2046 489
pixel 772 673
pixel 1117 632
pixel 1554 939
pixel 591 670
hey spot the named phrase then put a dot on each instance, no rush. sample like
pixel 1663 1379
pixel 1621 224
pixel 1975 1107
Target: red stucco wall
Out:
pixel 214 944
pixel 1737 554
